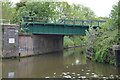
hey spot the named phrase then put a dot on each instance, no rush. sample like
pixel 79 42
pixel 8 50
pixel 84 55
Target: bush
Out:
pixel 68 41
pixel 73 40
pixel 101 41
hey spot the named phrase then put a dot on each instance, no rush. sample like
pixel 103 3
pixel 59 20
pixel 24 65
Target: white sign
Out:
pixel 11 40
pixel 10 74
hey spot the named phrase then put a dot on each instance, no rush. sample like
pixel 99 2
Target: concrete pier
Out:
pixel 47 43
pixel 30 44
pixel 116 49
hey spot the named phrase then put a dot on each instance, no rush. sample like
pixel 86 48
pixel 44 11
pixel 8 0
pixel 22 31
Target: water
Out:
pixel 70 63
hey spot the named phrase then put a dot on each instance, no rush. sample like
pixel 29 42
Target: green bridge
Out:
pixel 39 25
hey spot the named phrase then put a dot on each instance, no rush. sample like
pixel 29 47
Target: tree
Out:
pixel 36 9
pixel 21 4
pixel 114 16
pixel 115 21
pixel 104 39
pixel 74 11
pixel 8 11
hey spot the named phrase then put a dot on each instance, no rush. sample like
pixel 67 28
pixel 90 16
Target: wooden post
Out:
pixel 116 49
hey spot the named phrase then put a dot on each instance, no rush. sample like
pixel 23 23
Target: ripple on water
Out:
pixel 93 73
pixel 88 70
pixel 47 77
pixel 67 76
pixel 66 66
pixel 78 74
pixel 82 69
pixel 87 73
pixel 73 73
pixel 83 76
pixel 95 76
pixel 68 72
pixel 64 73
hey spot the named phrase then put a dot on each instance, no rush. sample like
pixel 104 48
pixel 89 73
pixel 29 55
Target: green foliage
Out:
pixel 8 12
pixel 64 10
pixel 37 9
pixel 73 40
pixel 59 10
pixel 115 17
pixel 100 42
pixel 77 40
pixel 21 4
pixel 103 47
pixel 68 41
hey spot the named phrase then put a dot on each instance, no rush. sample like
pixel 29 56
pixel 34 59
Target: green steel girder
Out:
pixel 53 28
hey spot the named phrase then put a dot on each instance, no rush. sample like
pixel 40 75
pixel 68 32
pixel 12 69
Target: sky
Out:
pixel 102 8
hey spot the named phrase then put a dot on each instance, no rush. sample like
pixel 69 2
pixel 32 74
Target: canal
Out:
pixel 71 63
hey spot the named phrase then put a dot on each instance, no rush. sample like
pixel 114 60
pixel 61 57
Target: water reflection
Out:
pixel 74 57
pixel 70 63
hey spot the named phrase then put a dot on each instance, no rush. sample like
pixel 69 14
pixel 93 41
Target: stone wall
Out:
pixel 10 40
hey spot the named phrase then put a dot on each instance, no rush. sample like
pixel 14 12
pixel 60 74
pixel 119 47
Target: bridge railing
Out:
pixel 62 21
pixel 83 22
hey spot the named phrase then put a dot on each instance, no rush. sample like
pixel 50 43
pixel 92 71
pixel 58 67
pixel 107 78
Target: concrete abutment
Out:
pixel 32 44
pixel 24 44
pixel 47 43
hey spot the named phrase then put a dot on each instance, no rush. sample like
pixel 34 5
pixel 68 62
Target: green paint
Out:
pixel 52 28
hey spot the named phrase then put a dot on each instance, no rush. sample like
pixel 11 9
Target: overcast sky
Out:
pixel 102 8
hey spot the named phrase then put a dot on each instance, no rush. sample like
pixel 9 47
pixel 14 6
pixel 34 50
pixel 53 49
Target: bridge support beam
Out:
pixel 47 43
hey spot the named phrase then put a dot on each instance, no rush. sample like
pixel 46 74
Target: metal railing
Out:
pixel 62 21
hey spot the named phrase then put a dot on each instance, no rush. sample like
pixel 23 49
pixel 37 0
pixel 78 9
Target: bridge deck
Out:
pixel 40 27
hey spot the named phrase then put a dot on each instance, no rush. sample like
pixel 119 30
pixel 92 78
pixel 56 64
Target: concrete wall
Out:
pixel 47 43
pixel 25 44
pixel 10 40
pixel 38 44
pixel 28 44
pixel 116 50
